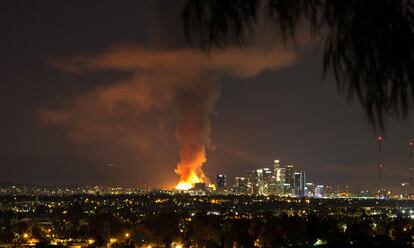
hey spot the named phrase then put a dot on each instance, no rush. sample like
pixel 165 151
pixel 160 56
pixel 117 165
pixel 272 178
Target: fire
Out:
pixel 189 169
pixel 189 183
pixel 194 106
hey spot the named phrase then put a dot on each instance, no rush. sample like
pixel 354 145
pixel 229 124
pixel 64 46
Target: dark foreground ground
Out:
pixel 159 219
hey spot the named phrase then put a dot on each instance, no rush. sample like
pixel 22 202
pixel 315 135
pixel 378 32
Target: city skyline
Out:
pixel 278 179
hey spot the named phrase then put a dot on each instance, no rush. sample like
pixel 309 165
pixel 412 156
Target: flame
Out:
pixel 189 182
pixel 194 106
pixel 189 168
pixel 187 185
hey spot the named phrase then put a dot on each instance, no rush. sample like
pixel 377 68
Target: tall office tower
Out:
pixel 251 182
pixel 260 182
pixel 299 183
pixel 263 181
pixel 310 190
pixel 319 191
pixel 289 181
pixel 267 178
pixel 221 182
pixel 277 181
pixel 276 164
pixel 241 186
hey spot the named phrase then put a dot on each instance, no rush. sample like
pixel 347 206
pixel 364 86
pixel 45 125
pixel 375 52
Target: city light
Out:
pixel 177 245
pixel 184 186
pixel 246 208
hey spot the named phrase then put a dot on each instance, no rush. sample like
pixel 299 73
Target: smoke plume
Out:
pixel 183 83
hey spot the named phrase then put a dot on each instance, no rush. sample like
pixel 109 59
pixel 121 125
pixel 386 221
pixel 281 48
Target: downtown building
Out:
pixel 221 183
pixel 299 181
pixel 289 180
pixel 241 186
pixel 270 181
pixel 276 180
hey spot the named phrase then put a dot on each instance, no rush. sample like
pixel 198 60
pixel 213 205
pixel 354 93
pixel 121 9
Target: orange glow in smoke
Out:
pixel 189 169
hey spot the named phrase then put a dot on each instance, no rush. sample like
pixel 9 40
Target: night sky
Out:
pixel 58 56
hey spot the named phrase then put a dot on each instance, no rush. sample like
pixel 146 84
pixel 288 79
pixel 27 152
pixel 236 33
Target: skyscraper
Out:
pixel 251 182
pixel 267 180
pixel 319 191
pixel 299 183
pixel 310 190
pixel 278 181
pixel 260 182
pixel 276 164
pixel 289 181
pixel 241 186
pixel 221 182
pixel 263 181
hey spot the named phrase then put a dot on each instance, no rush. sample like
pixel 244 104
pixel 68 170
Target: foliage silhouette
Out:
pixel 367 44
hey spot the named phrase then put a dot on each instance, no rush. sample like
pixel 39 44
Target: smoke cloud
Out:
pixel 183 83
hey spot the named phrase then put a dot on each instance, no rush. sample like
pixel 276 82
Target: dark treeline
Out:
pixel 162 220
pixel 202 230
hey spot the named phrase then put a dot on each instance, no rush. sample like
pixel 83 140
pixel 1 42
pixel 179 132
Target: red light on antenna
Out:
pixel 411 143
pixel 379 138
